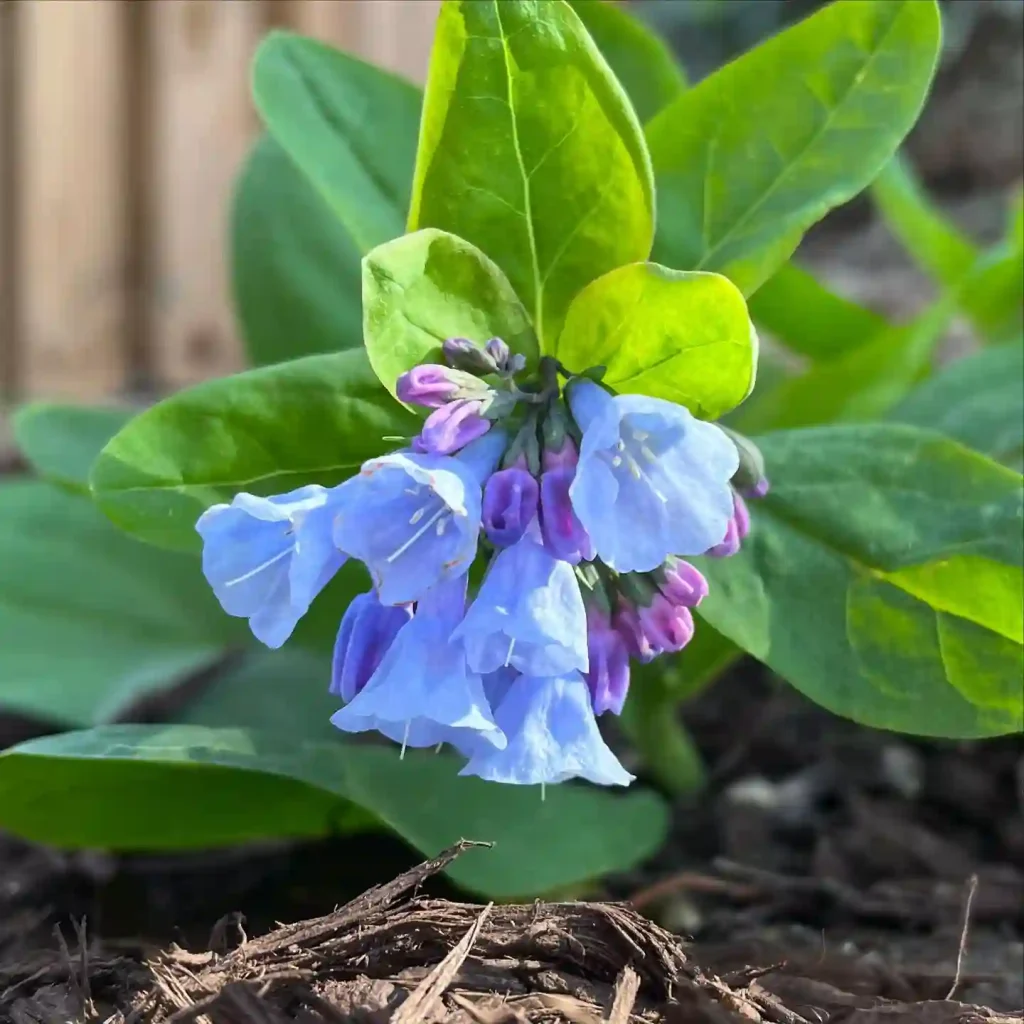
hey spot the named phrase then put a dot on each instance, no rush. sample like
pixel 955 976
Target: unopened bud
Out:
pixel 463 354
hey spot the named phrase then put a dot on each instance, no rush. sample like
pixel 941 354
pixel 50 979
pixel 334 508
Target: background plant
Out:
pixel 894 522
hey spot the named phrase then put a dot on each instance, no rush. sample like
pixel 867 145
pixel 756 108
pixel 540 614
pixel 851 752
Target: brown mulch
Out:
pixel 393 955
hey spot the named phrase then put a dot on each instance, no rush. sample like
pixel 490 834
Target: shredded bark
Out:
pixel 393 956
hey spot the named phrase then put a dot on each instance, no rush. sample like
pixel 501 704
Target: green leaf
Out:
pixel 190 787
pixel 683 337
pixel 882 577
pixel 989 286
pixel 266 431
pixel 805 316
pixel 862 385
pixel 530 150
pixel 349 127
pixel 295 269
pixel 754 154
pixel 978 400
pixel 61 442
pixel 641 60
pixel 91 620
pixel 428 286
pixel 933 241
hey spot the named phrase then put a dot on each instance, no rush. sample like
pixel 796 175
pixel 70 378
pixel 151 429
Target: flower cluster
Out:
pixel 581 502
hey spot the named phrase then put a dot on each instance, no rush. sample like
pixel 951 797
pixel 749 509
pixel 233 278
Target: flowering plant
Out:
pixel 491 478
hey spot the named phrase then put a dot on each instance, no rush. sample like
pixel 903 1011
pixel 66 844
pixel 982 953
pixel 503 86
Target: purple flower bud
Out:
pixel 510 505
pixel 429 385
pixel 666 627
pixel 465 355
pixel 561 529
pixel 737 530
pixel 760 489
pixel 608 676
pixel 626 621
pixel 453 426
pixel 564 457
pixel 681 583
pixel 499 352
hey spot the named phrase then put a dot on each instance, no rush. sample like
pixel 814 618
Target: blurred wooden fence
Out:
pixel 122 126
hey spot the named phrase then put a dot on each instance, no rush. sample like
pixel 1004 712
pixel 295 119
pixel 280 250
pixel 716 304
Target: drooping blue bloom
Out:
pixel 423 692
pixel 652 480
pixel 367 631
pixel 552 736
pixel 528 614
pixel 414 519
pixel 267 558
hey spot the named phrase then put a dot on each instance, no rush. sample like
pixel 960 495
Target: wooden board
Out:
pixel 202 124
pixel 396 34
pixel 7 73
pixel 70 211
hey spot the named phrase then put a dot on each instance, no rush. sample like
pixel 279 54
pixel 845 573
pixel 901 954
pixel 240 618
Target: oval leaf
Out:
pixel 748 159
pixel 530 150
pixel 61 442
pixel 641 60
pixel 190 787
pixel 294 267
pixel 683 337
pixel 350 127
pixel 428 286
pixel 314 420
pixel 978 401
pixel 882 578
pixel 91 620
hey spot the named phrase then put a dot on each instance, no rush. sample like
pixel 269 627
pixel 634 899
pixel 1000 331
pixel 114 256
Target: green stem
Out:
pixel 651 720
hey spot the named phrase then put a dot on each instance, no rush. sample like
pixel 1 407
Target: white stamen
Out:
pixel 441 526
pixel 620 445
pixel 419 533
pixel 640 435
pixel 405 740
pixel 617 461
pixel 259 568
pixel 417 515
pixel 412 490
pixel 437 749
pixel 647 453
pixel 511 648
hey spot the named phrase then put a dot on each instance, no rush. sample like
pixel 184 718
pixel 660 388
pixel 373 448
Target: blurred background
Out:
pixel 123 124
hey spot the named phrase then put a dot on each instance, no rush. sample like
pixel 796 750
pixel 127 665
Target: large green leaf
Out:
pixel 641 60
pixel 294 267
pixel 680 336
pixel 978 400
pixel 189 786
pixel 61 441
pixel 428 286
pixel 266 431
pixel 882 577
pixel 798 311
pixel 350 127
pixel 530 150
pixel 753 155
pixel 864 384
pixel 91 620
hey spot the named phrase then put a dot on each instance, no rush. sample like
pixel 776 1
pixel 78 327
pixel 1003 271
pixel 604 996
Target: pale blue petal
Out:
pixel 528 614
pixel 552 736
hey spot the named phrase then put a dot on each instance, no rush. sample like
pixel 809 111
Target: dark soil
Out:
pixel 830 874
